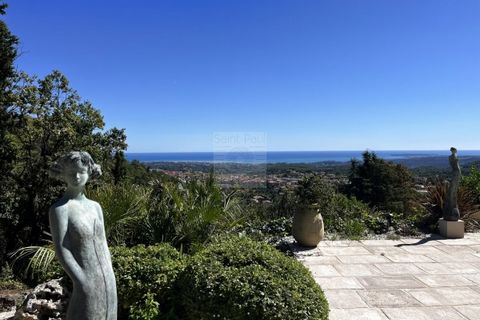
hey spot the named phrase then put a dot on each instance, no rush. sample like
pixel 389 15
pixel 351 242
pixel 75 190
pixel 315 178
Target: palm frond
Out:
pixel 466 199
pixel 40 258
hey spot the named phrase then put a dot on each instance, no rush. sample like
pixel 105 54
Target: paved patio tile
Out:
pixel 382 279
pixel 445 280
pixel 352 270
pixel 344 299
pixel 357 314
pixel 343 251
pixel 388 298
pixel 460 242
pixel 320 260
pixel 338 283
pixel 470 312
pixel 326 243
pixel 382 243
pixel 323 270
pixel 344 243
pixel 456 249
pixel 446 296
pixel 476 265
pixel 399 268
pixel 448 267
pixel 421 242
pixel 422 249
pixel 454 257
pixel 473 277
pixel 422 313
pixel 408 257
pixel 398 282
pixel 470 235
pixel 386 250
pixel 363 259
pixel 477 288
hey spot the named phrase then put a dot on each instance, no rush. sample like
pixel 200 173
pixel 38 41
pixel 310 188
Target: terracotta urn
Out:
pixel 308 226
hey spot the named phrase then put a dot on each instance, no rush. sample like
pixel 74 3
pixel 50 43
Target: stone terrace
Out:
pixel 408 279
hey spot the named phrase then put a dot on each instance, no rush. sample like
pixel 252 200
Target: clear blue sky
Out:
pixel 312 75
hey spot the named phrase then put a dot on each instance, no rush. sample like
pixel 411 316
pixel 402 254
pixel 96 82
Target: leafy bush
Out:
pixel 145 278
pixel 472 182
pixel 270 231
pixel 239 278
pixel 144 275
pixel 346 216
pixel 148 309
pixel 315 190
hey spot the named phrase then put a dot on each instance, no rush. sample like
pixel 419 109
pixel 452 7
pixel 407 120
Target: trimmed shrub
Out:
pixel 145 278
pixel 239 278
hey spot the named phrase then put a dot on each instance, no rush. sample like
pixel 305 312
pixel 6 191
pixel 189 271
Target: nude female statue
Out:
pixel 450 211
pixel 80 244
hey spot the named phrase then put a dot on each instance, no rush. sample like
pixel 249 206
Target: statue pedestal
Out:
pixel 451 229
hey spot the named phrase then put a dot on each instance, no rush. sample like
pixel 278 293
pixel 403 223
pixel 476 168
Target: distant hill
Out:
pixel 439 162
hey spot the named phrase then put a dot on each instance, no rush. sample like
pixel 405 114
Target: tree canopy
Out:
pixel 41 119
pixel 8 50
pixel 381 183
pixel 49 119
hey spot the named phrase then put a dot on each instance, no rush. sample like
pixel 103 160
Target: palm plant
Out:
pixel 190 212
pixel 469 209
pixel 123 207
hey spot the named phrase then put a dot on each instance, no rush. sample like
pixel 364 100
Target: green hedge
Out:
pixel 145 278
pixel 239 278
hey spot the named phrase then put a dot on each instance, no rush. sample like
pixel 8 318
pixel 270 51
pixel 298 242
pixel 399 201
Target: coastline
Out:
pixel 408 158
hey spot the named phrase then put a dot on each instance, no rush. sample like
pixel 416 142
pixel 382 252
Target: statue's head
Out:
pixel 75 168
pixel 453 150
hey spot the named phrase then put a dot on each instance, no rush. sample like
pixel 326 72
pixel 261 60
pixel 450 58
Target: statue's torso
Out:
pixel 88 244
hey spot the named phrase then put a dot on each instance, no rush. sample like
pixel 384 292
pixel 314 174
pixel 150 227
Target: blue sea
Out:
pixel 285 156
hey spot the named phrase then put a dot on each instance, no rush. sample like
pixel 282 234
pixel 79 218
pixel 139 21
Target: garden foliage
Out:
pixel 238 278
pixel 382 184
pixel 187 213
pixel 48 119
pixel 145 279
pixel 466 200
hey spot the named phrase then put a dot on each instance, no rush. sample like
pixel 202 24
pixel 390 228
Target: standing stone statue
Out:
pixel 450 210
pixel 79 236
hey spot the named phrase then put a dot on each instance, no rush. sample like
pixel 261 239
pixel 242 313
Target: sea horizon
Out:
pixel 256 157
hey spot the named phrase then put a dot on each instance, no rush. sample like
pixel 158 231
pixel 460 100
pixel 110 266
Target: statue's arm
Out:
pixel 58 228
pixel 100 213
pixel 100 217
